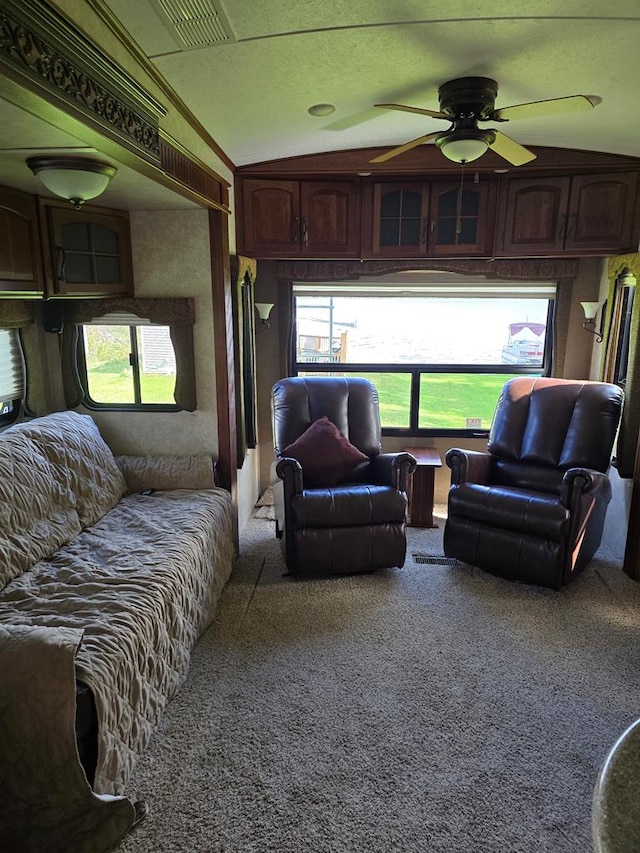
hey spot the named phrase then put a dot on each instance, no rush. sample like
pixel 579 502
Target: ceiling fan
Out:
pixel 466 101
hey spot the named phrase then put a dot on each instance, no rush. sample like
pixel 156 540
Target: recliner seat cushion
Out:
pixel 520 511
pixel 325 454
pixel 348 506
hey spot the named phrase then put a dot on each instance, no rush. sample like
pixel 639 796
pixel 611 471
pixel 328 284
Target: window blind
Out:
pixel 118 318
pixel 11 366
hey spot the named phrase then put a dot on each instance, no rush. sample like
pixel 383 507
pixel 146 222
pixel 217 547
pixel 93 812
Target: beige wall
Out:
pixel 171 258
pixel 581 346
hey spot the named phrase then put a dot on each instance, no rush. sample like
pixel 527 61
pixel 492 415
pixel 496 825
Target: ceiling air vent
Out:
pixel 197 23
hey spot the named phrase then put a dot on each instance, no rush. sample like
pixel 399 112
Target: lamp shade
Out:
pixel 590 309
pixel 464 146
pixel 77 179
pixel 264 309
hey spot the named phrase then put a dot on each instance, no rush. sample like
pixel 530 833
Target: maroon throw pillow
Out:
pixel 324 453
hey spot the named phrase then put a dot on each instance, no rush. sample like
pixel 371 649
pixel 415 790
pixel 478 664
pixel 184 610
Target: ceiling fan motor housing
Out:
pixel 468 97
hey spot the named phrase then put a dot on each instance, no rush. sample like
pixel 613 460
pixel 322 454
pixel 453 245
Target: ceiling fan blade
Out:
pixel 553 106
pixel 382 158
pixel 418 110
pixel 511 150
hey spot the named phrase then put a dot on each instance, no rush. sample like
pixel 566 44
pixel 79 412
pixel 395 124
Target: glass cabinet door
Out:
pixel 91 252
pixel 458 219
pixel 400 219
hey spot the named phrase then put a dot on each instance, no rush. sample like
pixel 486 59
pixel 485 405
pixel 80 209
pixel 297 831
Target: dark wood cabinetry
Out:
pixel 21 270
pixel 413 219
pixel 579 214
pixel 602 215
pixel 334 205
pixel 299 218
pixel 88 251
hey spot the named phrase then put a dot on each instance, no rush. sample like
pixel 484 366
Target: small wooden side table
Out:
pixel 421 486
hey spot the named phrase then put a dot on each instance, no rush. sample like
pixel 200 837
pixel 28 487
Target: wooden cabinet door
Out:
pixel 20 247
pixel 330 224
pixel 90 251
pixel 459 220
pixel 533 216
pixel 400 219
pixel 270 218
pixel 601 213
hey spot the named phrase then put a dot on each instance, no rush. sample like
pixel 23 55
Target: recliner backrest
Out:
pixel 351 403
pixel 556 422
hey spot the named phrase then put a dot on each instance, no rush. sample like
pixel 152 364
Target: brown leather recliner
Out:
pixel 358 523
pixel 533 507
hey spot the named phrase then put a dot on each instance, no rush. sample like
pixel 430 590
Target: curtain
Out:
pixel 178 314
pixel 630 422
pixel 243 275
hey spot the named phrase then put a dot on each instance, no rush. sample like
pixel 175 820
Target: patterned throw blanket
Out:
pixel 119 606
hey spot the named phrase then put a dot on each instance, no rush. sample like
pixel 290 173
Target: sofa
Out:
pixel 110 570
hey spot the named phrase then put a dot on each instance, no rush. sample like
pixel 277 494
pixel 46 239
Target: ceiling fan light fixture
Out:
pixel 76 179
pixel 464 146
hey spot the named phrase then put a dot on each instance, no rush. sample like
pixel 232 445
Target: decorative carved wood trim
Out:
pixel 516 269
pixel 182 167
pixel 101 8
pixel 49 56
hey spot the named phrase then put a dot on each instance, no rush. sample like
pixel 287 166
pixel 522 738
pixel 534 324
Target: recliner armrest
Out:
pixel 391 469
pixel 582 481
pixel 290 471
pixel 472 466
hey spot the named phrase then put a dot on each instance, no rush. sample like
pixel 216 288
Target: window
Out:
pixel 127 363
pixel 11 376
pixel 438 361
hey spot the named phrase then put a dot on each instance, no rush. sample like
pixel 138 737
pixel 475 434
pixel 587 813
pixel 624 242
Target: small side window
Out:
pixel 127 366
pixel 11 376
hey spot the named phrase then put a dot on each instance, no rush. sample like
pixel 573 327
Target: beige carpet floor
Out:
pixel 433 708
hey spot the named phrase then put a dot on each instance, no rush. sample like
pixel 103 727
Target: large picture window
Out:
pixel 438 361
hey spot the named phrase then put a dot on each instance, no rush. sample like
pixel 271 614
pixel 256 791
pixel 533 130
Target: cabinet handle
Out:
pixel 425 229
pixel 572 226
pixel 305 232
pixel 295 230
pixel 61 263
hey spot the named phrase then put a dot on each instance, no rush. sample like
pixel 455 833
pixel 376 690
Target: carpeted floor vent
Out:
pixel 434 559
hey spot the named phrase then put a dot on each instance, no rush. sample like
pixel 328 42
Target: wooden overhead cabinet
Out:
pixel 581 214
pixel 21 270
pixel 314 219
pixel 88 251
pixel 427 219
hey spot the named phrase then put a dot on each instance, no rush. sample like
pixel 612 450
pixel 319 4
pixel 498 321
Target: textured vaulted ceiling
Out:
pixel 252 92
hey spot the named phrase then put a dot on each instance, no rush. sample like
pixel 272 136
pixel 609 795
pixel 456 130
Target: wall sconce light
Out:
pixel 75 178
pixel 264 310
pixel 590 312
